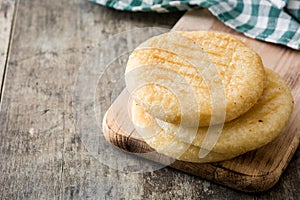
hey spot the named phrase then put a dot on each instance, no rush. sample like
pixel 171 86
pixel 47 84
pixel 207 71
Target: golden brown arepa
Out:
pixel 238 67
pixel 257 127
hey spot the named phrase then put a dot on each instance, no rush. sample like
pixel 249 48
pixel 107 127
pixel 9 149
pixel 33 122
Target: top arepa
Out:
pixel 186 77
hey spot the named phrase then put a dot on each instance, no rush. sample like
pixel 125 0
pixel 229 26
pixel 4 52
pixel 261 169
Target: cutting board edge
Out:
pixel 245 183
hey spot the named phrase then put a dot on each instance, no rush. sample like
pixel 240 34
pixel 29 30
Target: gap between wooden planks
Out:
pixel 7 18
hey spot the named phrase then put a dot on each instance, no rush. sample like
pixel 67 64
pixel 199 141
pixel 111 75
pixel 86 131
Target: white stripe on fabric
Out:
pixel 293 4
pixel 174 3
pixel 137 8
pixel 120 5
pixel 220 8
pixel 281 27
pixel 294 42
pixel 158 8
pixel 262 22
pixel 147 2
pixel 278 3
pixel 103 2
pixel 244 17
pixel 196 2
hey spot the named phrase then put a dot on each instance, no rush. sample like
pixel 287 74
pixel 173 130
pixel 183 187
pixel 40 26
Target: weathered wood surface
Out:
pixel 41 155
pixel 7 13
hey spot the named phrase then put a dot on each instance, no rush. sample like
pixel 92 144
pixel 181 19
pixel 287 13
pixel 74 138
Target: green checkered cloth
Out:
pixel 275 21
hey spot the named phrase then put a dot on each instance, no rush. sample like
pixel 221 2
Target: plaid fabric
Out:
pixel 276 21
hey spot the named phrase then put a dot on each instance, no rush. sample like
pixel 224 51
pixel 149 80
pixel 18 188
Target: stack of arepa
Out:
pixel 204 96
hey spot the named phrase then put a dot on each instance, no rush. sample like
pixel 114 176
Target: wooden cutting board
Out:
pixel 254 171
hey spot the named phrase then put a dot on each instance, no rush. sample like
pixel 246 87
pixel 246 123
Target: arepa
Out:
pixel 238 67
pixel 257 127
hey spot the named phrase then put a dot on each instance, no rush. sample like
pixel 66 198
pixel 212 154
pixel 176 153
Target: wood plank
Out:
pixel 41 155
pixel 7 14
pixel 255 171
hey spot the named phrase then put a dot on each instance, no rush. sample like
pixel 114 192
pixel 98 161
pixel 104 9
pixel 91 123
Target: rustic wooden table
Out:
pixel 42 44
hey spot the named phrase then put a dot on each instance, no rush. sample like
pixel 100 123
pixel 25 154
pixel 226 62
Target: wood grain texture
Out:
pixel 41 155
pixel 255 171
pixel 7 15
